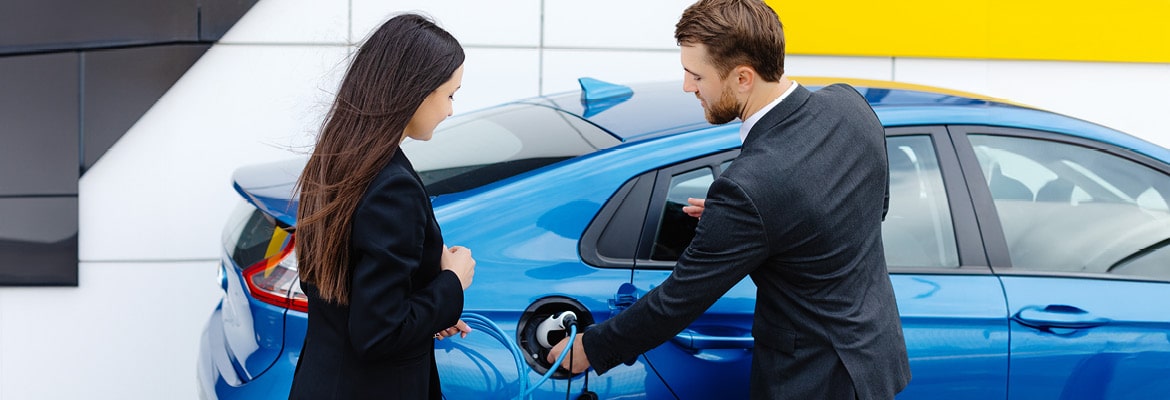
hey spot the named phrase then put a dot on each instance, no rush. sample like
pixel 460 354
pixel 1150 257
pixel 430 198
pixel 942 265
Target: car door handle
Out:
pixel 692 340
pixel 1058 316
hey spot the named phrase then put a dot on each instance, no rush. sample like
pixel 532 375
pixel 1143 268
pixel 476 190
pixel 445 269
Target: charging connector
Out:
pixel 555 328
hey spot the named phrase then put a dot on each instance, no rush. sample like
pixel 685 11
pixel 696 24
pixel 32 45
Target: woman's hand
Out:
pixel 460 327
pixel 458 259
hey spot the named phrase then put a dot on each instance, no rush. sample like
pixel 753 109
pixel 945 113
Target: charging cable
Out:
pixel 562 321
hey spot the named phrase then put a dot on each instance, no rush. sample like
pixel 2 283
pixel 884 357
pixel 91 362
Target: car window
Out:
pixel 247 235
pixel 1065 207
pixel 472 150
pixel 676 228
pixel 918 230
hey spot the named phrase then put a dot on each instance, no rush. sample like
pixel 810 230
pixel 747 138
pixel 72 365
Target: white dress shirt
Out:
pixel 751 120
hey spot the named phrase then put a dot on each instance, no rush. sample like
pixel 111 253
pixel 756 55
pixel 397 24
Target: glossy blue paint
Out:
pixel 269 187
pixel 215 379
pixel 598 96
pixel 524 230
pixel 956 329
pixel 241 316
pixel 1109 348
pixel 1016 117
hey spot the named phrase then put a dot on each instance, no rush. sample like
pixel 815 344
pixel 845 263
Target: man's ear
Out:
pixel 745 77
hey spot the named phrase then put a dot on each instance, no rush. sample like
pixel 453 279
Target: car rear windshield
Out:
pixel 476 149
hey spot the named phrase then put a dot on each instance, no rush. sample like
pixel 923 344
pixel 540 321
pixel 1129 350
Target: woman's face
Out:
pixel 435 108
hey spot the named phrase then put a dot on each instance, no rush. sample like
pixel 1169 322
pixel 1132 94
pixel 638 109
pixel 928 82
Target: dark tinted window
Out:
pixel 1070 208
pixel 487 146
pixel 247 235
pixel 676 228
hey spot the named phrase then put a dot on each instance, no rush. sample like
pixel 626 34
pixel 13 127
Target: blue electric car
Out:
pixel 1028 249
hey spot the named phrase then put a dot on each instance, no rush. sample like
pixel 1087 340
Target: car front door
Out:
pixel 952 307
pixel 711 358
pixel 953 311
pixel 1078 232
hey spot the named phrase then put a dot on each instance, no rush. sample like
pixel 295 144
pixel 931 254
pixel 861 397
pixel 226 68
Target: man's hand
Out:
pixel 695 209
pixel 580 362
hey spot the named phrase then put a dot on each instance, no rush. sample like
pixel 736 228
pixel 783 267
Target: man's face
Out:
pixel 717 96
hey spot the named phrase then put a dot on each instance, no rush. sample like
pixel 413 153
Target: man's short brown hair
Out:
pixel 736 32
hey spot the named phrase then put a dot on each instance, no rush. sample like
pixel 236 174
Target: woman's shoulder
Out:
pixel 395 187
pixel 398 167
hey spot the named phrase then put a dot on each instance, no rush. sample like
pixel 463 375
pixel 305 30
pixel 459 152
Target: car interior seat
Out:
pixel 1006 188
pixel 1057 190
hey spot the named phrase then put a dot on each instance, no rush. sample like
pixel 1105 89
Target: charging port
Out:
pixel 532 336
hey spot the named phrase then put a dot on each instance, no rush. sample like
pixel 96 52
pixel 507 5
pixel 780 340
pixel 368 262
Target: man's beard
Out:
pixel 724 110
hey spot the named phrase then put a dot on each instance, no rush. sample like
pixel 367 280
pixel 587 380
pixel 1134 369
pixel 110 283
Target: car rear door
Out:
pixel 1078 231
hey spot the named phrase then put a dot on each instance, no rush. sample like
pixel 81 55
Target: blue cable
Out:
pixel 551 371
pixel 490 328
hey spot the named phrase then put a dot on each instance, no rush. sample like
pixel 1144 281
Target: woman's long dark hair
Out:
pixel 397 67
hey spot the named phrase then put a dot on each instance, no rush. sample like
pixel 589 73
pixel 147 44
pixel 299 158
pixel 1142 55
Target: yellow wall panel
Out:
pixel 1071 30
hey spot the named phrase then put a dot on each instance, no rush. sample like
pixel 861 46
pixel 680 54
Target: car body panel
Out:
pixel 269 187
pixel 956 329
pixel 1073 338
pixel 241 316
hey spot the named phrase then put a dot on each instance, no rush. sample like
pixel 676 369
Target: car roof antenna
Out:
pixel 597 95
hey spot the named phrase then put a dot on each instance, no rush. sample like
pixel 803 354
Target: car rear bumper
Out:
pixel 216 378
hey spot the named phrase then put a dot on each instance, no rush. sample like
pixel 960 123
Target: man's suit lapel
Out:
pixel 779 113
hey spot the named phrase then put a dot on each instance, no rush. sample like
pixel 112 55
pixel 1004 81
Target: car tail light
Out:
pixel 274 279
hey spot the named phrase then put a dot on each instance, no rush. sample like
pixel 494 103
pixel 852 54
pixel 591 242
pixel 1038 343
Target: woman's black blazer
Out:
pixel 381 345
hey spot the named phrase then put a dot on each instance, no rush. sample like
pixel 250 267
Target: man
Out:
pixel 799 210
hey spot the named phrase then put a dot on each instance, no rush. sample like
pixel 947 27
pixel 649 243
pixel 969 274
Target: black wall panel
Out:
pixel 74 76
pixel 39 124
pixel 41 25
pixel 122 84
pixel 38 241
pixel 217 16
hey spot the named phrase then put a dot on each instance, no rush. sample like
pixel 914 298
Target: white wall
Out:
pixel 152 208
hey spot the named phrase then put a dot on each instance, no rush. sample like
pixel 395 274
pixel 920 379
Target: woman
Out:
pixel 379 280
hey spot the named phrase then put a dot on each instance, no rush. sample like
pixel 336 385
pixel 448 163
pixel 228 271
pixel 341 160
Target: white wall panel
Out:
pixel 293 21
pixel 492 76
pixel 641 24
pixel 563 67
pixel 1124 96
pixel 162 192
pixel 129 331
pixel 845 67
pixel 494 22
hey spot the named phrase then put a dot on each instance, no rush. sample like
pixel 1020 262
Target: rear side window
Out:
pixel 1070 208
pixel 248 234
pixel 476 149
